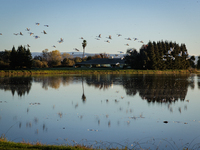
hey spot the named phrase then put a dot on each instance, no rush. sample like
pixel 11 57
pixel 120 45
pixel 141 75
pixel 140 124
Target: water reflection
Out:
pixel 124 105
pixel 54 81
pixel 20 85
pixel 158 88
pixel 83 95
pixel 153 88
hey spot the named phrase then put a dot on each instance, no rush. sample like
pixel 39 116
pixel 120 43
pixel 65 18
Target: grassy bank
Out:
pixel 8 145
pixel 92 71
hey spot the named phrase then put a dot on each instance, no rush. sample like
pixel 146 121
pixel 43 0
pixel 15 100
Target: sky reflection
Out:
pixel 52 109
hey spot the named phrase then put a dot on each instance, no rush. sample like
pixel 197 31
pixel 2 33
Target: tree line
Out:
pixel 16 59
pixel 161 56
pixel 22 59
pixel 153 56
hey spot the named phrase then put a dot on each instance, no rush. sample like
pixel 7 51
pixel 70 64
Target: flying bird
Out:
pixel 46 25
pixel 31 33
pixel 61 40
pixel 28 45
pixel 127 44
pixel 81 37
pixel 107 41
pixel 44 32
pixel 110 37
pixel 128 38
pixel 21 33
pixel 54 46
pixel 36 37
pixel 28 29
pixel 76 49
pixel 135 39
pixel 37 24
pixel 99 36
pixel 141 41
pixel 119 35
pixel 0 33
pixel 15 33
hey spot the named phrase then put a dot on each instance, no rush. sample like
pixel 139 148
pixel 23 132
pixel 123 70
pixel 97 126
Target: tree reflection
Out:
pixel 53 81
pixel 153 88
pixel 158 88
pixel 100 81
pixel 83 95
pixel 21 85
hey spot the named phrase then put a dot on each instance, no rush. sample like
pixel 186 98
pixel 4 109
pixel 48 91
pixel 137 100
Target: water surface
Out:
pixel 102 110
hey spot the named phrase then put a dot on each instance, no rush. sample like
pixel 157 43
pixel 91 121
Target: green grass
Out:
pixel 9 145
pixel 91 71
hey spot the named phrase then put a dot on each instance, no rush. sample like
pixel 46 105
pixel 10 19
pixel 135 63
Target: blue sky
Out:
pixel 148 20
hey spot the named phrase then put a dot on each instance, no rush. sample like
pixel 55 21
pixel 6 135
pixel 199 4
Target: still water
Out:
pixel 137 111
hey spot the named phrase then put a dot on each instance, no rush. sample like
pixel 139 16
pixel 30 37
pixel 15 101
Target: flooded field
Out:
pixel 137 111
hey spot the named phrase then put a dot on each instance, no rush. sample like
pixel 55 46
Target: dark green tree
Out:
pixel 198 63
pixel 192 59
pixel 13 58
pixel 28 58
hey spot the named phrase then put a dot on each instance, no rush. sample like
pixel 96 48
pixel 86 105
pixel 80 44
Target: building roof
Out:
pixel 112 61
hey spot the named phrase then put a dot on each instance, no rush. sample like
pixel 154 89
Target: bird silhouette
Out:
pixel 28 29
pixel 128 38
pixel 0 33
pixel 46 25
pixel 127 44
pixel 15 33
pixel 135 39
pixel 110 37
pixel 76 49
pixel 54 46
pixel 61 40
pixel 36 37
pixel 31 33
pixel 21 33
pixel 119 35
pixel 37 24
pixel 99 36
pixel 28 45
pixel 107 41
pixel 44 32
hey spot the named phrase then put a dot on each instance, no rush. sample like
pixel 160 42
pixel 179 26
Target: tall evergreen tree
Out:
pixel 152 57
pixel 13 58
pixel 198 63
pixel 28 58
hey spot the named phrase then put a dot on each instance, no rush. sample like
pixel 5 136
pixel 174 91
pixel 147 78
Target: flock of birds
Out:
pixel 109 38
pixel 35 36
